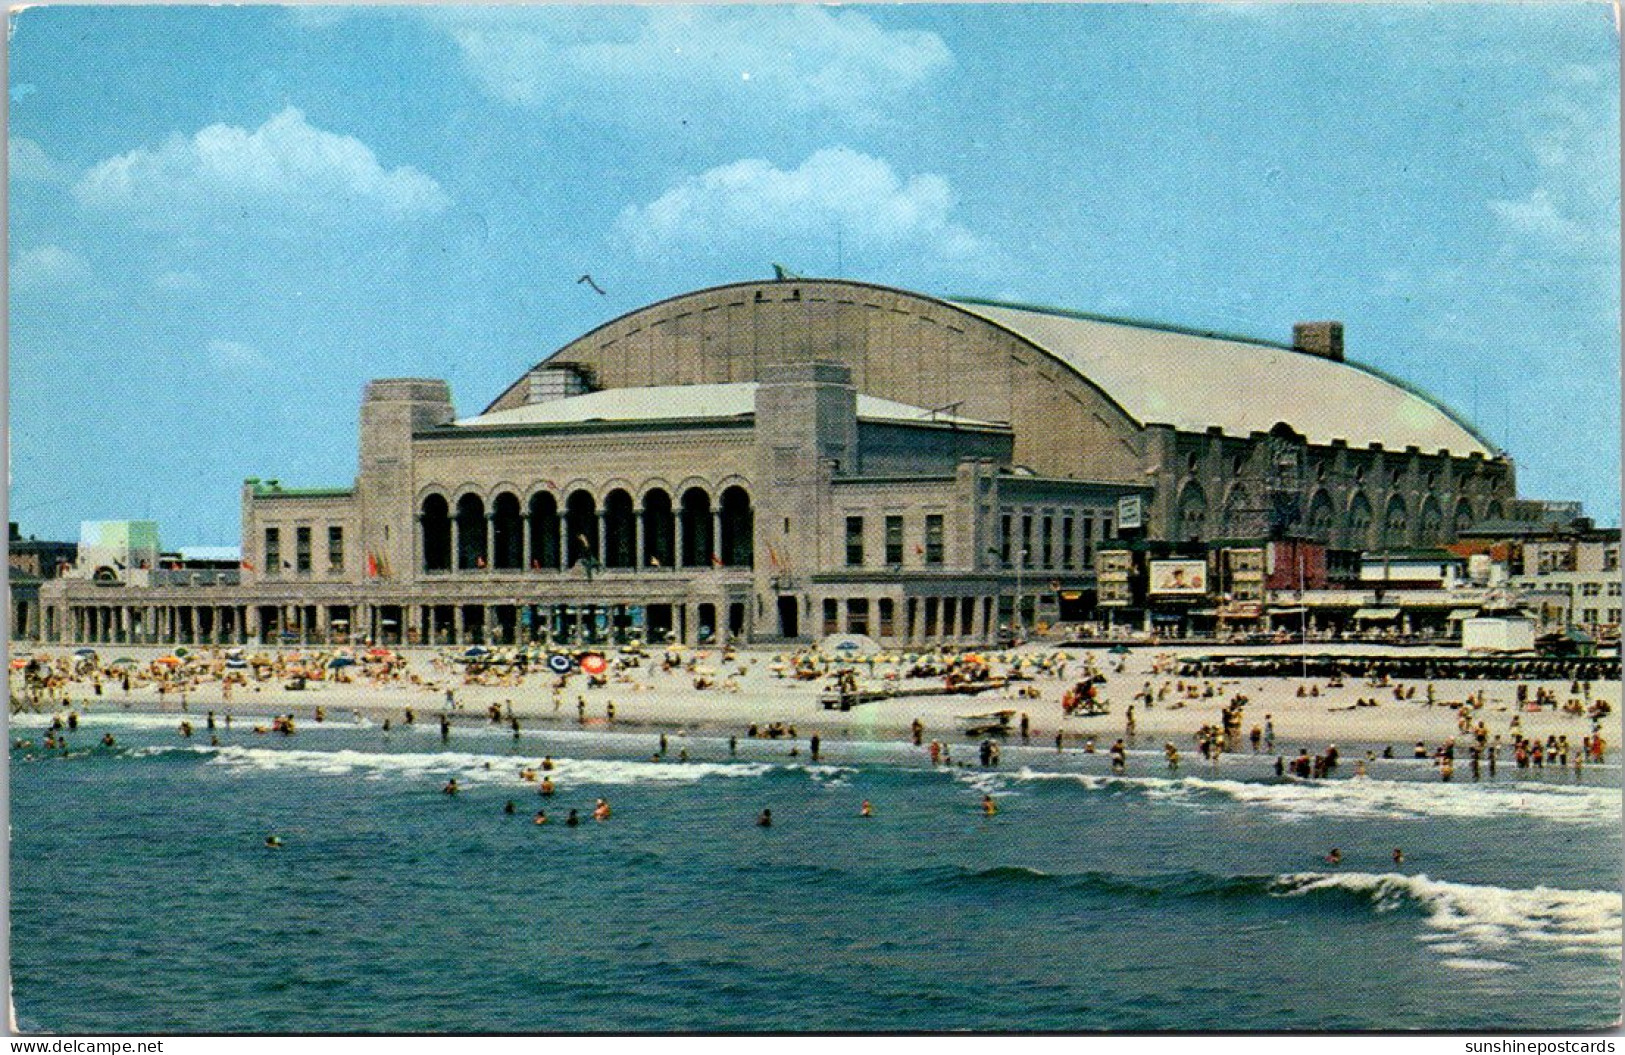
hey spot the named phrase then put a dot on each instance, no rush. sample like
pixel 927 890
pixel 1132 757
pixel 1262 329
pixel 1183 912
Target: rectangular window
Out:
pixel 967 614
pixel 1027 541
pixel 888 617
pixel 1004 540
pixel 832 616
pixel 894 540
pixel 930 617
pixel 1066 542
pixel 933 538
pixel 1049 542
pixel 857 615
pixel 1589 616
pixel 949 608
pixel 273 550
pixel 301 549
pixel 1088 541
pixel 854 542
pixel 1106 527
pixel 335 547
pixel 1613 615
pixel 1610 559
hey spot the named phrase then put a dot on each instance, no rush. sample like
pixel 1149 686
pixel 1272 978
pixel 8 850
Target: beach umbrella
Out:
pixel 1118 650
pixel 593 663
pixel 84 652
pixel 341 661
pixel 19 664
pixel 183 652
pixel 236 663
pixel 124 661
pixel 379 653
pixel 233 652
pixel 477 650
pixel 168 661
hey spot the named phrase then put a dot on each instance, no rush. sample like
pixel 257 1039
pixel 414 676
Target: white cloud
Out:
pixel 1573 139
pixel 631 62
pixel 48 267
pixel 286 166
pixel 751 205
pixel 235 354
pixel 27 160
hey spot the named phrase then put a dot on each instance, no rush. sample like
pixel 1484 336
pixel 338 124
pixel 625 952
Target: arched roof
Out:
pixel 1189 380
pixel 1193 382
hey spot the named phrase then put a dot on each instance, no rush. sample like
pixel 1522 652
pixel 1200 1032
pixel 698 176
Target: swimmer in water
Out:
pixel 765 820
pixel 1335 857
pixel 1399 856
pixel 600 810
pixel 272 842
pixel 989 807
pixel 572 820
pixel 866 810
pixel 107 740
pixel 547 786
pixel 510 807
pixel 540 818
pixel 451 787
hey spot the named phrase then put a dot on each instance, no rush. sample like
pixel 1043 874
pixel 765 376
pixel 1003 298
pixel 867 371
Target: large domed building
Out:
pixel 779 460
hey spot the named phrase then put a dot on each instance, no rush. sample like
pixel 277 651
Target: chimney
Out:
pixel 1324 339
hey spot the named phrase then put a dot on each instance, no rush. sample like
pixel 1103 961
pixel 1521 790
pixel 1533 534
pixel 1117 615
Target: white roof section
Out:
pixel 1194 382
pixel 684 402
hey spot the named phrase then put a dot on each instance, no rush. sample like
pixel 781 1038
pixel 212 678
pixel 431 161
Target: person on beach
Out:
pixel 733 745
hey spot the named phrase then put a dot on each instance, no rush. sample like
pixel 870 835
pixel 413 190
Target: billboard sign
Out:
pixel 1178 578
pixel 1130 512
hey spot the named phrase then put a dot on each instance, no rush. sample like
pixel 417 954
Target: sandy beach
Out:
pixel 648 697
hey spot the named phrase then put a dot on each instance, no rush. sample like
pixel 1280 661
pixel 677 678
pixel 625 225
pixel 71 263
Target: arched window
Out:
pixel 507 532
pixel 1360 517
pixel 659 530
pixel 1432 523
pixel 544 532
pixel 1321 515
pixel 581 514
pixel 696 528
pixel 1192 513
pixel 620 527
pixel 1238 513
pixel 470 532
pixel 1464 516
pixel 737 528
pixel 1396 521
pixel 435 521
pixel 1493 510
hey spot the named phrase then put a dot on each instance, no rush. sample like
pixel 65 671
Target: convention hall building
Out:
pixel 779 460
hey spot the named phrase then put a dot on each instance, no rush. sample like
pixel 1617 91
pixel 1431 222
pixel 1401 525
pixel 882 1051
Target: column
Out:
pixel 637 538
pixel 601 550
pixel 680 522
pixel 457 624
pixel 716 536
pixel 524 540
pixel 324 626
pixel 564 540
pixel 490 624
pixel 456 543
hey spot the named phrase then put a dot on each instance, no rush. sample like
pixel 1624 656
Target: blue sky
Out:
pixel 225 220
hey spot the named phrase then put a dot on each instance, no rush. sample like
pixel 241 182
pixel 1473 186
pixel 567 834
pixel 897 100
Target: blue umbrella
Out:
pixel 477 650
pixel 84 652
pixel 340 661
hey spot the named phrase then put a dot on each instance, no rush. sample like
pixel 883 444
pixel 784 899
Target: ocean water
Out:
pixel 143 898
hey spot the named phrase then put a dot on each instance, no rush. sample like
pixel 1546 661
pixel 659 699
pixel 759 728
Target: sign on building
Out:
pixel 1178 578
pixel 1130 512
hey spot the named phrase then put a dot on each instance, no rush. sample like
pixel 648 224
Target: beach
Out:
pixel 749 690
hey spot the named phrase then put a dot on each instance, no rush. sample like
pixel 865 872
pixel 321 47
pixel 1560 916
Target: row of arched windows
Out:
pixel 619 534
pixel 1243 517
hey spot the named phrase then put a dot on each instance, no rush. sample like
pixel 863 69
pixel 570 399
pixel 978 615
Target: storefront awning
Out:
pixel 1288 611
pixel 1459 614
pixel 1375 614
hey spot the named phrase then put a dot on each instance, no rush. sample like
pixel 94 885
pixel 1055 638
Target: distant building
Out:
pixel 30 562
pixel 1563 569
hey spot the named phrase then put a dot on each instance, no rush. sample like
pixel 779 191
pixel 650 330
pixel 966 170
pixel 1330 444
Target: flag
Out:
pixel 372 566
